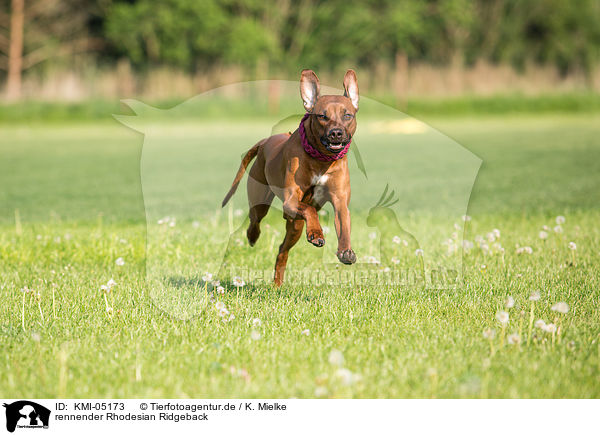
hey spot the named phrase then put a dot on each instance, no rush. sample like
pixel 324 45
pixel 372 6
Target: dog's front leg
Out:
pixel 340 201
pixel 294 208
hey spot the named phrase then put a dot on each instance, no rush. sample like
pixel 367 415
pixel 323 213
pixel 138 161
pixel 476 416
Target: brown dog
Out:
pixel 305 169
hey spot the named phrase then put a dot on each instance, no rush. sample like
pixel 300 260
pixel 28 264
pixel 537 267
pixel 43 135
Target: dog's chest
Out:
pixel 319 183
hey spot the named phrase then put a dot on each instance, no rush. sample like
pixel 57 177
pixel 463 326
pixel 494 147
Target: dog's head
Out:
pixel 334 116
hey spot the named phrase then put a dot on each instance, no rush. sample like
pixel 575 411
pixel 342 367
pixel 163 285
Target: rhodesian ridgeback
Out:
pixel 305 169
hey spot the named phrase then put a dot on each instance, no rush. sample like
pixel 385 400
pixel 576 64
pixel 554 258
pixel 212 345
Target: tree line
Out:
pixel 285 35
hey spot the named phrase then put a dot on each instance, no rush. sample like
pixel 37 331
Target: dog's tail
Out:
pixel 240 173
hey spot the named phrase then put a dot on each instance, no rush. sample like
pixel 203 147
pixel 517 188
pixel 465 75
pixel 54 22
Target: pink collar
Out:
pixel 315 153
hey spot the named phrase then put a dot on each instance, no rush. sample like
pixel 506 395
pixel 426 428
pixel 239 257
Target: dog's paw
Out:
pixel 316 238
pixel 347 257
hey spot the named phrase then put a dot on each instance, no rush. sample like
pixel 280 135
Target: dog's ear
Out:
pixel 351 87
pixel 309 89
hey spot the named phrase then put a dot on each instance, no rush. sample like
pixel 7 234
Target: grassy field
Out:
pixel 75 199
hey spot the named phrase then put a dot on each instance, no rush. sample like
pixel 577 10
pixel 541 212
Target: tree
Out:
pixel 34 31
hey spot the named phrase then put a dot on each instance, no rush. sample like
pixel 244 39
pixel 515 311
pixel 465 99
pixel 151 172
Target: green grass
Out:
pixel 35 112
pixel 79 198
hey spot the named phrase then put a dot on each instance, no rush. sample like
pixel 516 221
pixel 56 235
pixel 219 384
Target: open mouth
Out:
pixel 333 146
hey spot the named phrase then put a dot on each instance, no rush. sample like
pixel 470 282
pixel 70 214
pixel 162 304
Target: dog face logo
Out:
pixel 26 414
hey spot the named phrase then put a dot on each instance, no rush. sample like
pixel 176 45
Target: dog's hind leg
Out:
pixel 259 200
pixel 293 232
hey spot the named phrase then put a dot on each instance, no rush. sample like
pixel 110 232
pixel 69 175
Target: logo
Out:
pixel 26 414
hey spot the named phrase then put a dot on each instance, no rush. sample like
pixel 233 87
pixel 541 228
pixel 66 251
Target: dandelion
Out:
pixel 489 335
pixel 467 245
pixel 395 260
pixel 255 335
pixel 558 229
pixel 419 252
pixel 326 229
pixel 502 317
pixel 514 339
pixel 336 358
pixel 372 235
pixel 396 240
pixel 256 323
pixel 306 332
pixel 496 232
pixel 111 283
pixel 321 391
pixel 560 220
pixel 491 237
pixel 120 262
pixel 550 328
pixel 238 282
pixel 540 324
pixel 535 296
pixel 561 307
pixel 104 288
pixel 510 302
pixel 372 260
pixel 36 337
pixel 572 246
pixel 345 376
pixel 219 305
pixel 207 277
pixel 543 235
pixel 220 290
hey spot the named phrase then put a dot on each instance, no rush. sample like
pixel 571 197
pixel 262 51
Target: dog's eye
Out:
pixel 322 117
pixel 348 116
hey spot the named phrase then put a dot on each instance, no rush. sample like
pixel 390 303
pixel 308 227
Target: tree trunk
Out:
pixel 15 51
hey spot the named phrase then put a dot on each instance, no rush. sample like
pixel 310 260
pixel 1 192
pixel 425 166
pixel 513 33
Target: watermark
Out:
pixel 410 189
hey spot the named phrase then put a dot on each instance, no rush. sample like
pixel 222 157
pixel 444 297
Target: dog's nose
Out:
pixel 335 134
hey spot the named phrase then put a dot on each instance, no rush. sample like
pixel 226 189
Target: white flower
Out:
pixel 111 283
pixel 326 230
pixel 525 250
pixel 489 333
pixel 419 252
pixel 560 220
pixel 546 228
pixel 221 290
pixel 207 277
pixel 26 290
pixel 238 282
pixel 372 235
pixel 540 324
pixel 561 307
pixel 558 229
pixel 510 302
pixel 491 237
pixel 120 262
pixel 543 235
pixel 572 246
pixel 36 337
pixel 216 283
pixel 396 240
pixel 395 260
pixel 220 305
pixel 345 376
pixel 372 260
pixel 551 328
pixel 466 218
pixel 104 288
pixel 514 339
pixel 496 232
pixel 321 391
pixel 256 323
pixel 502 317
pixel 306 332
pixel 195 224
pixel 109 310
pixel 535 296
pixel 336 357
pixel 255 335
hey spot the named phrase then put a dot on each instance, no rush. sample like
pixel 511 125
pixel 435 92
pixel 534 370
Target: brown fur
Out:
pixel 303 183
